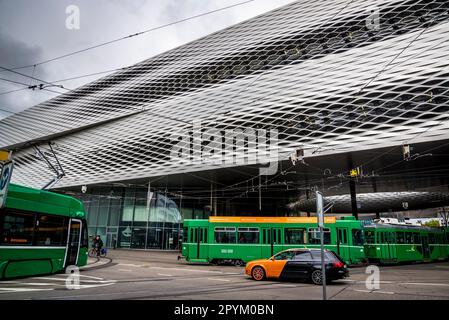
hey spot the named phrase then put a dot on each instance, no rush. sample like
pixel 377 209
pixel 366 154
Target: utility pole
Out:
pixel 320 215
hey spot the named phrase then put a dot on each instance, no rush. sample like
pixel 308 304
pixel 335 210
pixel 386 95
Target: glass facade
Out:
pixel 132 217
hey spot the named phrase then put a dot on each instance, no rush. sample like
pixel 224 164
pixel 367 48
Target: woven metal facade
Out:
pixel 329 76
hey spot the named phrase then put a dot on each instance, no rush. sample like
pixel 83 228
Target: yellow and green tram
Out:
pixel 238 240
pixel 390 243
pixel 40 233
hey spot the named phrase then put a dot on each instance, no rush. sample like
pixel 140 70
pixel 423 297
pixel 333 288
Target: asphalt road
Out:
pixel 158 275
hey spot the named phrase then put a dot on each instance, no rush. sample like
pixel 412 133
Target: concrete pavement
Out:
pixel 129 274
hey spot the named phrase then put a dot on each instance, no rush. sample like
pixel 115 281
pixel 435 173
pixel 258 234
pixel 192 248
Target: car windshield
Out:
pixel 284 255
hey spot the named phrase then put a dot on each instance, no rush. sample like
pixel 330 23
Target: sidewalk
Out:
pixel 143 255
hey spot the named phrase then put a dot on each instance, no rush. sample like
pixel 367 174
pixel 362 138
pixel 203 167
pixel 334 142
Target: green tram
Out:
pixel 40 233
pixel 238 240
pixel 393 243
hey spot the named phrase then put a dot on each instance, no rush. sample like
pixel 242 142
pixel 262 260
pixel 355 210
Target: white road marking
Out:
pixel 426 284
pixel 85 286
pixel 91 277
pixel 64 276
pixel 39 284
pixel 185 269
pixel 374 291
pixel 9 290
pixel 218 279
pixel 90 281
pixel 164 274
pixel 284 285
pixel 125 270
pixel 130 265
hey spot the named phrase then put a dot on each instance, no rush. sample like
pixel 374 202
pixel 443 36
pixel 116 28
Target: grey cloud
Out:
pixel 15 53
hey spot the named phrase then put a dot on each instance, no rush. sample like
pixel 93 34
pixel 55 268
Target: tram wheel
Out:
pixel 239 263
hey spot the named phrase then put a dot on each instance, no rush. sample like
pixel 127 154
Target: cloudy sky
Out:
pixel 32 31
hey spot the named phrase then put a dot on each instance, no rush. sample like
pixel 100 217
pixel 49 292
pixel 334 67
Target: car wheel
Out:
pixel 258 273
pixel 317 277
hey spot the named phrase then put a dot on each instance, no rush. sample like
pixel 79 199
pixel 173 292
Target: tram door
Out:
pixel 276 238
pixel 271 241
pixel 198 237
pixel 383 244
pixel 425 246
pixel 201 242
pixel 343 243
pixel 73 242
pixel 391 239
pixel 266 247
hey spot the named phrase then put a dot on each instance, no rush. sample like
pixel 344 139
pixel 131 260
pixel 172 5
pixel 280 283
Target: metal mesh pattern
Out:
pixel 316 71
pixel 378 202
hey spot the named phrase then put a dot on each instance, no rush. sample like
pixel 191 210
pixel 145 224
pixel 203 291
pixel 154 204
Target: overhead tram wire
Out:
pixel 11 91
pixel 31 87
pixel 31 77
pixel 133 35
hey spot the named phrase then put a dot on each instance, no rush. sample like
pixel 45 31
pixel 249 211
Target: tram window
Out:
pixel 315 237
pixel 294 236
pixel 416 238
pixel 51 230
pixel 248 235
pixel 370 236
pixel 400 237
pixel 225 235
pixel 408 237
pixel 357 237
pixel 17 228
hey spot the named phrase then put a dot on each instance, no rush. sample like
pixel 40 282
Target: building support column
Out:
pixel 373 180
pixel 308 197
pixel 353 198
